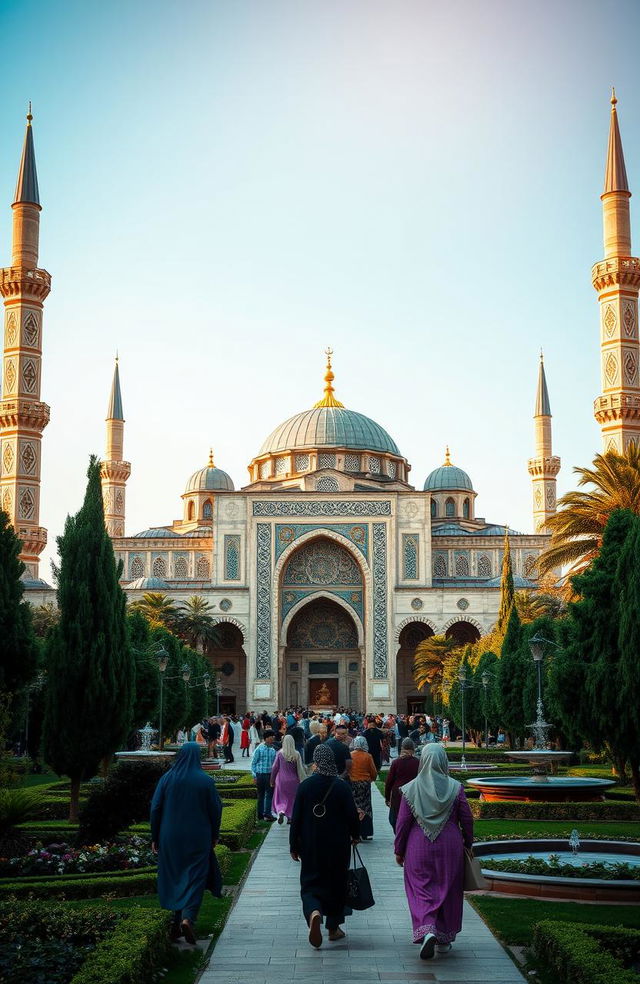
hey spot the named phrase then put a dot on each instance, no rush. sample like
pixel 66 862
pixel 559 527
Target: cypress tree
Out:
pixel 19 654
pixel 91 675
pixel 507 593
pixel 626 740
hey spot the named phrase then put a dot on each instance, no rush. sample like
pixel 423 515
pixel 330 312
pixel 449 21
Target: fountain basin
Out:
pixel 555 887
pixel 534 789
pixel 143 756
pixel 539 756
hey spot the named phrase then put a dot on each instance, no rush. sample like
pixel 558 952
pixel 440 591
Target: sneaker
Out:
pixel 315 929
pixel 281 818
pixel 443 947
pixel 428 947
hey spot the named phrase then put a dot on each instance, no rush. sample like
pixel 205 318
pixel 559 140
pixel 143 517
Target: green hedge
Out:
pixel 504 810
pixel 119 884
pixel 56 807
pixel 238 823
pixel 585 954
pixel 131 954
pixel 242 788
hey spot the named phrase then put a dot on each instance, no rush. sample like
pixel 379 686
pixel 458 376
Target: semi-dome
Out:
pixel 448 478
pixel 328 424
pixel 210 479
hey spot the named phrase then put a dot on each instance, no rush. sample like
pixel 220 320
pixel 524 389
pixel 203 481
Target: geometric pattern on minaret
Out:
pixel 617 281
pixel 114 470
pixel 23 417
pixel 544 467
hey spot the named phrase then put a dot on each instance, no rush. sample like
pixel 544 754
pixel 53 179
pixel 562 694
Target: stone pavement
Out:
pixel 265 939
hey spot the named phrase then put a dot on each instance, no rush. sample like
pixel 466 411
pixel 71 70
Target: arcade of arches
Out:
pixel 409 698
pixel 228 657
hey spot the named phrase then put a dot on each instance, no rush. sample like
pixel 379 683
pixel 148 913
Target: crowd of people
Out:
pixel 314 771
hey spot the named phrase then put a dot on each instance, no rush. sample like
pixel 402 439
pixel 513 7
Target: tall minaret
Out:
pixel 617 281
pixel 114 471
pixel 545 466
pixel 23 417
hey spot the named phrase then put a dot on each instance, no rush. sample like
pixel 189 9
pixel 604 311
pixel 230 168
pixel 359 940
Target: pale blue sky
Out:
pixel 228 187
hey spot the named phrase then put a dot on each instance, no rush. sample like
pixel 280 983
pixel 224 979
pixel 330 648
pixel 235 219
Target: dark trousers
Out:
pixel 392 819
pixel 228 753
pixel 265 795
pixel 312 904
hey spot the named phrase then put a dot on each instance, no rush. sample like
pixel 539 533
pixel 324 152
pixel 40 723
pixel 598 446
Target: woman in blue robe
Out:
pixel 185 823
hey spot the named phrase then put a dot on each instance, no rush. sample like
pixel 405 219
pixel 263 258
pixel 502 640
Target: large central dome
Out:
pixel 329 427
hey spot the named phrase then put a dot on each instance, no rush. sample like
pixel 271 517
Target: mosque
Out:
pixel 327 568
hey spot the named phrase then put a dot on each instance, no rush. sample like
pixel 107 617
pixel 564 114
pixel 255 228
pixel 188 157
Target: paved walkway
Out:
pixel 265 939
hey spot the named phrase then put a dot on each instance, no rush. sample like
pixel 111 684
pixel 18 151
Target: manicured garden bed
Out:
pixel 505 810
pixel 512 919
pixel 586 954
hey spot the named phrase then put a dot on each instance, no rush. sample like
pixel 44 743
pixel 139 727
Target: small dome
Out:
pixel 448 478
pixel 148 584
pixel 210 479
pixel 156 533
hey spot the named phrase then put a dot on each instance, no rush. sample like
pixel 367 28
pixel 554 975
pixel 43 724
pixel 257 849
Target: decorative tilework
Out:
pixel 282 466
pixel 291 596
pixel 263 600
pixel 410 542
pixel 159 568
pixel 327 484
pixel 462 566
pixel 326 460
pixel 301 462
pixel 352 462
pixel 322 625
pixel 391 469
pixel 484 566
pixel 202 568
pixel 136 568
pixel 380 656
pixel 321 562
pixel 265 469
pixel 226 605
pixel 299 507
pixel 439 566
pixel 358 535
pixel 180 568
pixel 232 557
pixel 417 604
pixel 462 604
pixel 374 465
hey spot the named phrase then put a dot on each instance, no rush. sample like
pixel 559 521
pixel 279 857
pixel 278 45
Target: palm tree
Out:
pixel 43 618
pixel 157 608
pixel 429 662
pixel 194 622
pixel 535 604
pixel 578 526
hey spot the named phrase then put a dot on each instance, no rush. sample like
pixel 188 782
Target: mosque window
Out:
pixel 434 509
pixel 449 507
pixel 136 568
pixel 191 510
pixel 466 509
pixel 207 510
pixel 301 462
pixel 180 567
pixel 232 558
pixel 484 566
pixel 440 566
pixel 202 568
pixel 530 566
pixel 327 484
pixel 391 469
pixel 352 462
pixel 265 469
pixel 410 557
pixel 159 568
pixel 374 466
pixel 462 566
pixel 326 460
pixel 282 466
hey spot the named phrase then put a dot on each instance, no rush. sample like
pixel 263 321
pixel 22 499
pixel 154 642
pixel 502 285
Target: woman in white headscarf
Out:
pixel 433 828
pixel 287 773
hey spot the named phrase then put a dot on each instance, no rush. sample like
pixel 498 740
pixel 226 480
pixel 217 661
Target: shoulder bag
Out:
pixel 474 880
pixel 359 894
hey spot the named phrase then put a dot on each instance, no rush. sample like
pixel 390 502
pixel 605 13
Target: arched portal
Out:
pixel 463 632
pixel 322 660
pixel 227 656
pixel 409 698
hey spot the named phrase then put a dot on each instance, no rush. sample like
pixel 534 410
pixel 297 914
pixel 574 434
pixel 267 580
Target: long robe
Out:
pixel 323 845
pixel 185 821
pixel 285 781
pixel 434 870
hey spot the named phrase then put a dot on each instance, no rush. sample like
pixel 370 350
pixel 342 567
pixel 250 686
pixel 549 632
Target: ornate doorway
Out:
pixel 409 698
pixel 228 657
pixel 322 661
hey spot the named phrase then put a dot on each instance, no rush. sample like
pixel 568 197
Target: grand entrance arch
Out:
pixel 228 658
pixel 409 698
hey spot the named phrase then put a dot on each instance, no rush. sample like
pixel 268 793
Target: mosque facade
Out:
pixel 326 570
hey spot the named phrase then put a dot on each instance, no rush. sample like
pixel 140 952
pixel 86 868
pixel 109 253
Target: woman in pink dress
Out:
pixel 287 773
pixel 433 828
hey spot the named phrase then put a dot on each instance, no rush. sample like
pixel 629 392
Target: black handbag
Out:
pixel 359 894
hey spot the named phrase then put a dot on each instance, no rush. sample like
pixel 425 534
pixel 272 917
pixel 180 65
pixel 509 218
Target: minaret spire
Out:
pixel 545 466
pixel 114 471
pixel 23 417
pixel 617 281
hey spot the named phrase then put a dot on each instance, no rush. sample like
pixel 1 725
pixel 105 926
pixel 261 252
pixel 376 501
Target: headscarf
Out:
pixel 324 761
pixel 433 792
pixel 360 744
pixel 291 754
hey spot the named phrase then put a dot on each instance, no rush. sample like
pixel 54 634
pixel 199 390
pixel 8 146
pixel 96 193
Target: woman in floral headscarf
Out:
pixel 323 827
pixel 363 773
pixel 433 828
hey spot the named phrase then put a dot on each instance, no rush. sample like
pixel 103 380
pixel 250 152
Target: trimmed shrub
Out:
pixel 505 810
pixel 241 788
pixel 585 954
pixel 122 799
pixel 131 953
pixel 238 823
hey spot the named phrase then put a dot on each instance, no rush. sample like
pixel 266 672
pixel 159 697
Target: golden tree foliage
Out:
pixel 429 663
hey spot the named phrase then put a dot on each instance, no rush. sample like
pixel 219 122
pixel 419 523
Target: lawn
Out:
pixel 489 829
pixel 512 919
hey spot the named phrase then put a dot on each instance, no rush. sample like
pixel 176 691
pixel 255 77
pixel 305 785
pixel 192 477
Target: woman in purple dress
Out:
pixel 286 775
pixel 433 829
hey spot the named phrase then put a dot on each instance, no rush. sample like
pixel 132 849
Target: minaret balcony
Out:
pixel 31 414
pixel 617 270
pixel 34 538
pixel 115 471
pixel 16 281
pixel 617 406
pixel 544 467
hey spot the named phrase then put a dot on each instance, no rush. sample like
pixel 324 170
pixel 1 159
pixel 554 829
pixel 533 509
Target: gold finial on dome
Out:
pixel 29 115
pixel 328 400
pixel 613 96
pixel 447 458
pixel 211 464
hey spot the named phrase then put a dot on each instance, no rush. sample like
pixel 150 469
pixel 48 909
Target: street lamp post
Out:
pixel 163 662
pixel 485 684
pixel 462 677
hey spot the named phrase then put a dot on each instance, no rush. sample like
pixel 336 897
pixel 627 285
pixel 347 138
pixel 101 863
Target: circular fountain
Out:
pixel 145 753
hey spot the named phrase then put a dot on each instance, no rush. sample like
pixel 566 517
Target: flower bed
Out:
pixel 618 871
pixel 62 859
pixel 504 810
pixel 585 954
pixel 91 945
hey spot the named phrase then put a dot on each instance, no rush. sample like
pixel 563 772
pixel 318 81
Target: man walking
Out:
pixel 261 764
